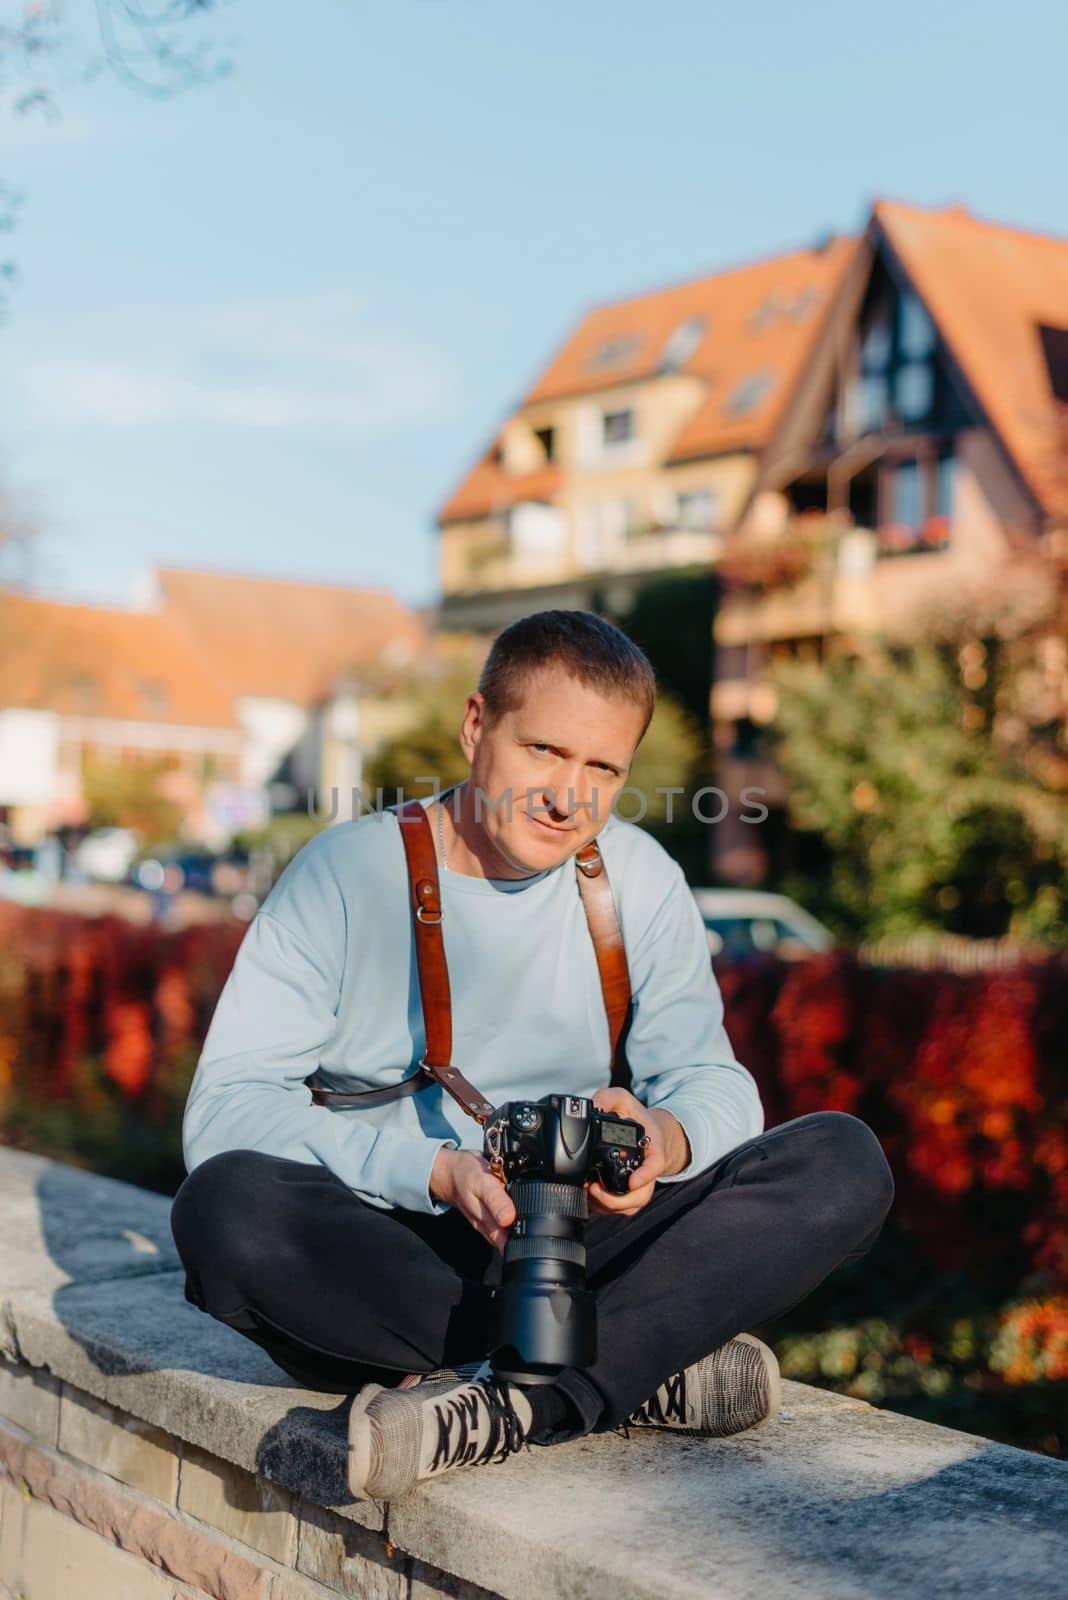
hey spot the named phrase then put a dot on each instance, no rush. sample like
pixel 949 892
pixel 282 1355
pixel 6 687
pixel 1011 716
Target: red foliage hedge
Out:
pixel 964 1077
pixel 133 997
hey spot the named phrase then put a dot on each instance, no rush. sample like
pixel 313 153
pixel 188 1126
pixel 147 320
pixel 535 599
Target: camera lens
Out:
pixel 545 1314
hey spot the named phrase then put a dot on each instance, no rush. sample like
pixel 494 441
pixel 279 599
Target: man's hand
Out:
pixel 667 1152
pixel 463 1179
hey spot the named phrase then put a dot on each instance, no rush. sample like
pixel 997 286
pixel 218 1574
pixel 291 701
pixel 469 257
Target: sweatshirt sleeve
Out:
pixel 277 1010
pixel 679 1054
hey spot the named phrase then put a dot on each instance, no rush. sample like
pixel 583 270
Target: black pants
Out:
pixel 340 1293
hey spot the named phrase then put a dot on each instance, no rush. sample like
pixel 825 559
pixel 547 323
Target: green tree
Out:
pixel 934 769
pixel 130 797
pixel 429 745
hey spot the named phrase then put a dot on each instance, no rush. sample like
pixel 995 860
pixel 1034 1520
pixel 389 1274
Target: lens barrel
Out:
pixel 545 1317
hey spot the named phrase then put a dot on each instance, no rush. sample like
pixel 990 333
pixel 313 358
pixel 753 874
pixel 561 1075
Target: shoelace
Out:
pixel 459 1417
pixel 673 1406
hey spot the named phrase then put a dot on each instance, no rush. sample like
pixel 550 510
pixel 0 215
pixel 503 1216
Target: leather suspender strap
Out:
pixel 425 899
pixel 425 893
pixel 600 906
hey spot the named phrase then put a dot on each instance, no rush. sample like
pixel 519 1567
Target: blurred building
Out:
pixel 612 485
pixel 250 692
pixel 921 448
pixel 765 459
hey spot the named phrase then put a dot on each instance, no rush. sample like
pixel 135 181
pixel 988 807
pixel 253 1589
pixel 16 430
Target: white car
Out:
pixel 741 922
pixel 106 854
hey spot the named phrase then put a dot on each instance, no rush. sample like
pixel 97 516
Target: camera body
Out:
pixel 546 1151
pixel 564 1139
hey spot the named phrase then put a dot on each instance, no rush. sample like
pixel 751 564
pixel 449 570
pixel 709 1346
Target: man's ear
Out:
pixel 472 723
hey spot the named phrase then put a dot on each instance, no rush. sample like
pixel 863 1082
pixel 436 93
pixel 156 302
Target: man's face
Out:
pixel 562 737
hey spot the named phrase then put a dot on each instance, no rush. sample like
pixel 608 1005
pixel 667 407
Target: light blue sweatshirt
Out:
pixel 326 980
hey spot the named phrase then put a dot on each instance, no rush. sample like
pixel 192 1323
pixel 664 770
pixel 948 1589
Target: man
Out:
pixel 361 1247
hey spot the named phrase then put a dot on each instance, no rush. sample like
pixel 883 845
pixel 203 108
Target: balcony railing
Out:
pixel 496 564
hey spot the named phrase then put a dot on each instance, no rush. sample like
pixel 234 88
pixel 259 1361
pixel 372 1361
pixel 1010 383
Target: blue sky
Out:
pixel 266 325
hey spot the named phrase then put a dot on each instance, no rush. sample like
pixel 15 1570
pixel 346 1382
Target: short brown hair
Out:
pixel 587 646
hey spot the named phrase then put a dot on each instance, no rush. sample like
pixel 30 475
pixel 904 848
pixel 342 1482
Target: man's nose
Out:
pixel 572 796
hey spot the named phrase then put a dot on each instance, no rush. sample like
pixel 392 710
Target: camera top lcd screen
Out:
pixel 619 1133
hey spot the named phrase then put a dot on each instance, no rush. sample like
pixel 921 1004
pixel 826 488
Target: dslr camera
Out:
pixel 546 1151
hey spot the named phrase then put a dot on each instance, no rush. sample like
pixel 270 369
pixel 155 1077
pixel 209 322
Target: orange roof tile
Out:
pixel 288 639
pixel 100 661
pixel 987 288
pixel 488 488
pixel 752 327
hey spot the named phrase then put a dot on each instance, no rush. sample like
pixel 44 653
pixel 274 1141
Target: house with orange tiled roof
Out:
pixel 254 691
pixel 86 683
pixel 628 460
pixel 921 452
pixel 302 662
pixel 820 443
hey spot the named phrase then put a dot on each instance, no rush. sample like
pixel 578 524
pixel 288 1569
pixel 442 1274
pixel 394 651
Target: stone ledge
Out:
pixel 832 1499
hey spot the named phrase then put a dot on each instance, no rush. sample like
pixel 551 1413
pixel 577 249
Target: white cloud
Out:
pixel 286 364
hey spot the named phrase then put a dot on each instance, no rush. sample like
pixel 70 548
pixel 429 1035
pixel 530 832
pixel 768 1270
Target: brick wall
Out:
pixel 98 1505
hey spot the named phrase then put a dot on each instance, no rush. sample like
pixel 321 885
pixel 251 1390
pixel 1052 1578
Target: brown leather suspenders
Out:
pixel 425 898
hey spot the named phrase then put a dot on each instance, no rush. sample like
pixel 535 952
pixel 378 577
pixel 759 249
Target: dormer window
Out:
pixel 749 391
pixel 613 352
pixel 683 343
pixel 154 695
pixel 783 303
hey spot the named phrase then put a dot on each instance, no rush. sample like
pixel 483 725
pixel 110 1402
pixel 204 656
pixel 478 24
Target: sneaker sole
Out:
pixel 771 1366
pixel 359 1454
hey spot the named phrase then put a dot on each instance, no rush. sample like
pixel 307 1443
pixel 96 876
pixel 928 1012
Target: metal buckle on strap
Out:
pixel 427 891
pixel 594 866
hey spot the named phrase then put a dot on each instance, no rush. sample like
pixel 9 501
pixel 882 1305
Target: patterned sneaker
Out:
pixel 734 1388
pixel 446 1377
pixel 401 1437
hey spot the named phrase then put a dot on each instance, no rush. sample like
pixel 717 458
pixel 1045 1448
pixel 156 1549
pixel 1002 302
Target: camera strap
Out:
pixel 426 908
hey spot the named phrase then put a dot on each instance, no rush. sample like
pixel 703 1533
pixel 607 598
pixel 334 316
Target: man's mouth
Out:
pixel 549 827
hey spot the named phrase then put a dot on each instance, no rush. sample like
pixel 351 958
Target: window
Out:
pixel 907 495
pixel 547 439
pixel 945 480
pixel 917 498
pixel 765 313
pixel 749 391
pixel 916 335
pixel 154 695
pixel 898 384
pixel 682 344
pixel 84 690
pixel 600 530
pixel 873 402
pixel 697 508
pixel 803 304
pixel 914 391
pixel 1055 350
pixel 617 428
pixel 783 303
pixel 876 346
pixel 613 352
